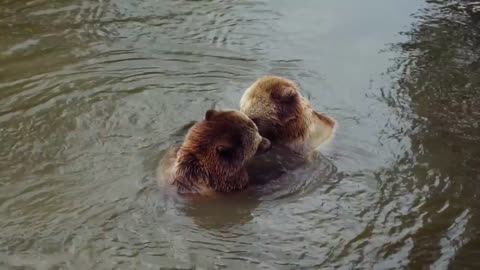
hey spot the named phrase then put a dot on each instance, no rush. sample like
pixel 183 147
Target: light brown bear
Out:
pixel 284 116
pixel 213 154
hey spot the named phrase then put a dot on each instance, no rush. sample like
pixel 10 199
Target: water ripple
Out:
pixel 92 92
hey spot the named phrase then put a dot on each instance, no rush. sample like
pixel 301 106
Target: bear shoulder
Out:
pixel 183 174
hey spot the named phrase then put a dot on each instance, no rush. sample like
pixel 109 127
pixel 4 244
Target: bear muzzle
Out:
pixel 264 146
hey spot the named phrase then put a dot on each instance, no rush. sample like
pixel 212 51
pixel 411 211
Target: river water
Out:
pixel 93 92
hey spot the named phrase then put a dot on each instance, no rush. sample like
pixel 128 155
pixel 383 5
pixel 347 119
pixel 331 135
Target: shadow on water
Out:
pixel 275 187
pixel 279 175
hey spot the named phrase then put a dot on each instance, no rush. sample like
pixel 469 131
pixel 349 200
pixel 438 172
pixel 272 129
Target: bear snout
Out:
pixel 264 146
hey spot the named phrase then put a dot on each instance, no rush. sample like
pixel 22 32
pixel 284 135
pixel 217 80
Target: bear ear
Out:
pixel 210 114
pixel 284 94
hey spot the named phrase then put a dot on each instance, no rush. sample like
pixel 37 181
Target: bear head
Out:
pixel 215 150
pixel 277 108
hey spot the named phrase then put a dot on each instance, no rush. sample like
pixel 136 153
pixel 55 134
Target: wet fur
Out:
pixel 211 158
pixel 284 116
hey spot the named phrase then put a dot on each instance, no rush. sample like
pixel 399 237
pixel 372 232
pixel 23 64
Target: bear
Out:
pixel 212 157
pixel 284 116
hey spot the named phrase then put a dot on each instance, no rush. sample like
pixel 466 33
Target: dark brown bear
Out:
pixel 212 157
pixel 284 116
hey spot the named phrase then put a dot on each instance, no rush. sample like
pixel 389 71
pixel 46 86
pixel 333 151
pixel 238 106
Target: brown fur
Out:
pixel 284 116
pixel 213 154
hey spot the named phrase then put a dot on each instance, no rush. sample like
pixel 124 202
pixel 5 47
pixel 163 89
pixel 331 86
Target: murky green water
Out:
pixel 93 92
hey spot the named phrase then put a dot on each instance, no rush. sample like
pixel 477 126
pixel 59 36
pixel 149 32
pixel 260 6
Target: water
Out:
pixel 93 92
